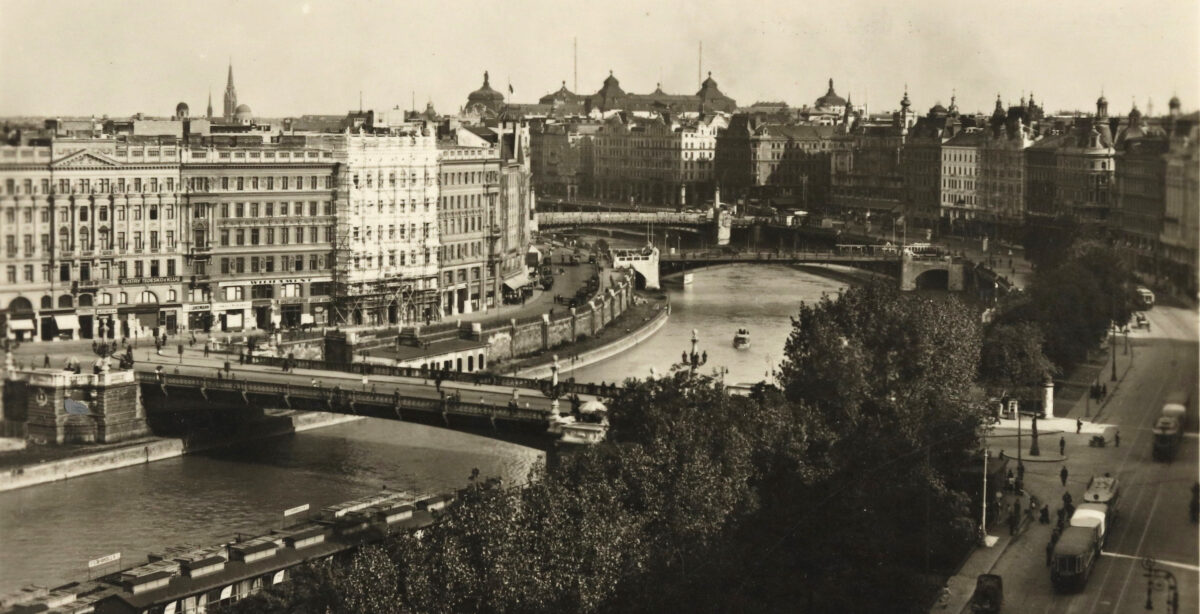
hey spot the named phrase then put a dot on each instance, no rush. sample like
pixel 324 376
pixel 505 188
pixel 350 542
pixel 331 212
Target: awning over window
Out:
pixel 20 324
pixel 518 280
pixel 67 322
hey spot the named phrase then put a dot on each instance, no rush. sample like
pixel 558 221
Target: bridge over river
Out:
pixel 912 271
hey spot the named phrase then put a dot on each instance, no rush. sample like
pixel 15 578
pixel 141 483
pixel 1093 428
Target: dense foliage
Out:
pixel 1074 303
pixel 830 493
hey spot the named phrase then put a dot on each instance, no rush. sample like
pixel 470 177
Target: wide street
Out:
pixel 1152 519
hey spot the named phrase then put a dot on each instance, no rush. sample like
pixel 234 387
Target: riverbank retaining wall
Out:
pixel 555 328
pixel 606 351
pixel 149 451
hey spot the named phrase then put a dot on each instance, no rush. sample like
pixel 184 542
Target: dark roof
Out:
pixel 235 571
pixel 831 99
pixel 485 93
pixel 965 139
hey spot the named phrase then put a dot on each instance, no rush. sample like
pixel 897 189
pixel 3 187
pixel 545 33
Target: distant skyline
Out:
pixel 76 57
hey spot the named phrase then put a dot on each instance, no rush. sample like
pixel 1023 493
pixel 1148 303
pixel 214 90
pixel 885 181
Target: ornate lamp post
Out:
pixel 694 359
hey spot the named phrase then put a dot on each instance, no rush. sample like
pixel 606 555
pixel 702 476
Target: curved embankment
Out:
pixel 609 350
pixel 149 451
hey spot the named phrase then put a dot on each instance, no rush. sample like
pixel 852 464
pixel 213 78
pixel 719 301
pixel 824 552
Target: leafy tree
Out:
pixel 887 378
pixel 1012 358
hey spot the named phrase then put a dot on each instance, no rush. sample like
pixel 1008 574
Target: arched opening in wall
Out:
pixel 85 300
pixel 66 301
pixel 936 279
pixel 639 280
pixel 47 302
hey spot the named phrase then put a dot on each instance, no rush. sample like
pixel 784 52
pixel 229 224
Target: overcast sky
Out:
pixel 71 57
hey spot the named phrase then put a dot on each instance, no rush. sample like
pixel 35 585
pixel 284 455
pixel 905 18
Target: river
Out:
pixel 49 532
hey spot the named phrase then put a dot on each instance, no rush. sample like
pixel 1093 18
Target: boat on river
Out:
pixel 741 340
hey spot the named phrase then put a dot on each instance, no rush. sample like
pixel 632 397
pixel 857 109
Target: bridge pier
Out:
pixel 62 407
pixel 644 261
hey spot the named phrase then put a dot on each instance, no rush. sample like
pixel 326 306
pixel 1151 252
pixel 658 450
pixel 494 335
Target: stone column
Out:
pixel 545 331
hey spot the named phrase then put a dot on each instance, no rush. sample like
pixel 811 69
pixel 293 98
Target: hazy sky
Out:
pixel 71 57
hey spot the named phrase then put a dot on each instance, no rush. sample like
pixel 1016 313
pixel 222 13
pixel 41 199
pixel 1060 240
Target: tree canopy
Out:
pixel 831 492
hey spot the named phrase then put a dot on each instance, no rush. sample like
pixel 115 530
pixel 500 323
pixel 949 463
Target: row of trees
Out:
pixel 832 492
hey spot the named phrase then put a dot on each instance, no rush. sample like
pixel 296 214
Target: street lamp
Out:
pixel 694 359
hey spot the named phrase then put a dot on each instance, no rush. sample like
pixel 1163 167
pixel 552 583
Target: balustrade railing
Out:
pixel 449 404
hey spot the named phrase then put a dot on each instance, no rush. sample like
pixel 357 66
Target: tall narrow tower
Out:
pixel 230 96
pixel 209 114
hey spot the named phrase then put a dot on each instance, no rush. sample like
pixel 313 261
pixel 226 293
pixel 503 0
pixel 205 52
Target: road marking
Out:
pixel 1145 530
pixel 1156 561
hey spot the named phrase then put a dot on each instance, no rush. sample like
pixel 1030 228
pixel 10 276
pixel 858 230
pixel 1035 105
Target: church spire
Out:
pixel 209 113
pixel 230 95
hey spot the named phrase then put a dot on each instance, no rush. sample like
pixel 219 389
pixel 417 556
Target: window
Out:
pixel 270 185
pixel 262 291
pixel 241 264
pixel 235 293
pixel 154 212
pixel 171 267
pixel 224 266
pixel 172 296
pixel 138 270
pixel 240 236
pixel 170 211
pixel 239 210
pixel 241 183
pixel 224 209
pixel 137 213
pixel 283 183
pixel 270 239
pixel 253 236
pixel 171 239
pixel 225 238
pixel 11 273
pixel 290 290
pixel 154 268
pixel 269 264
pixel 269 208
pixel 123 298
pixel 254 209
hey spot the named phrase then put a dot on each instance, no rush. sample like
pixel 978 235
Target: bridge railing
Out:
pixel 479 377
pixel 450 404
pixel 841 253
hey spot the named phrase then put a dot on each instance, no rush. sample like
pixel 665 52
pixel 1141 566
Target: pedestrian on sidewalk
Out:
pixel 206 349
pixel 1117 438
pixel 1062 446
pixel 46 361
pixel 1063 474
pixel 1078 426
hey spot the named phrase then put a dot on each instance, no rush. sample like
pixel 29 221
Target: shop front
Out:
pixel 232 316
pixel 106 323
pixel 199 317
pixel 67 325
pixel 290 315
pixel 17 322
pixel 263 314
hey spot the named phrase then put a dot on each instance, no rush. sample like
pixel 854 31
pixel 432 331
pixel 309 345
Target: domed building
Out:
pixel 830 102
pixel 243 115
pixel 181 111
pixel 485 99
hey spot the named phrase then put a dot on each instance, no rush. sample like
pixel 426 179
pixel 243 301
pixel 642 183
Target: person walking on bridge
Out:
pixel 1062 446
pixel 1063 474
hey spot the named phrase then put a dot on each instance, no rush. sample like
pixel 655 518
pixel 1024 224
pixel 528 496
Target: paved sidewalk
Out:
pixel 1042 479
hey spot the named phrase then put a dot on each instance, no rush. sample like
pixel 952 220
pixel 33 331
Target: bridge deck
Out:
pixel 344 397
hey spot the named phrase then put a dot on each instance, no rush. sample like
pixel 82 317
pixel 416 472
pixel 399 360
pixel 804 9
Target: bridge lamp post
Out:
pixel 554 385
pixel 694 359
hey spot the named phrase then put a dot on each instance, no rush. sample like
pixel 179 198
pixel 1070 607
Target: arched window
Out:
pixel 106 299
pixel 147 298
pixel 123 298
pixel 171 296
pixel 104 239
pixel 85 239
pixel 85 300
pixel 65 302
pixel 47 302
